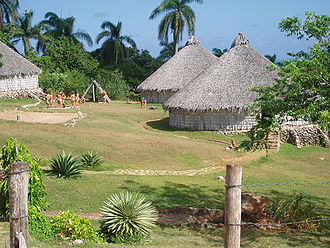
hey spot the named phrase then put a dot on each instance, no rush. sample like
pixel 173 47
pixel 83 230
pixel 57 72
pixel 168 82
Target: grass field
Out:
pixel 128 137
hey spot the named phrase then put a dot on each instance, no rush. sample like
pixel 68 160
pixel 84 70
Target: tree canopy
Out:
pixel 303 90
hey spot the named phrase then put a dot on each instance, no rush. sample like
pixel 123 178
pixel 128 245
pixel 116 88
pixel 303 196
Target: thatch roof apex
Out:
pixel 191 61
pixel 193 41
pixel 240 40
pixel 14 64
pixel 226 84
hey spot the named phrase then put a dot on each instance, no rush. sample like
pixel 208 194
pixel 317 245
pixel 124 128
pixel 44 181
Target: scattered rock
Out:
pixel 77 242
pixel 253 204
pixel 34 94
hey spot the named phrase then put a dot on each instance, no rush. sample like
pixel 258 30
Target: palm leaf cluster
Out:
pixel 65 165
pixel 178 15
pixel 113 49
pixel 127 214
pixel 8 11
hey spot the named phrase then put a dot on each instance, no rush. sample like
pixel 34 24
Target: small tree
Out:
pixel 303 90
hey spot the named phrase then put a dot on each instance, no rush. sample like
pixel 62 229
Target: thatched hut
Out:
pixel 18 76
pixel 182 68
pixel 219 99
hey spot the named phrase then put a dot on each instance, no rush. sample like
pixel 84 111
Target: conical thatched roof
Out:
pixel 226 84
pixel 182 68
pixel 13 64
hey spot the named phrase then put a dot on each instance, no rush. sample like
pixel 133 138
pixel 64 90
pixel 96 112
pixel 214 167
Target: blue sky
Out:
pixel 217 21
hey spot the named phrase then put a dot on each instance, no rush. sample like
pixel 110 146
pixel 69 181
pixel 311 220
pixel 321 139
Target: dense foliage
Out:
pixel 65 165
pixel 39 225
pixel 14 151
pixel 303 89
pixel 127 217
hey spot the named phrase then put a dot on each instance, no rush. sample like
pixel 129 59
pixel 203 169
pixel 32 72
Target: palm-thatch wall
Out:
pixel 181 69
pixel 16 73
pixel 219 99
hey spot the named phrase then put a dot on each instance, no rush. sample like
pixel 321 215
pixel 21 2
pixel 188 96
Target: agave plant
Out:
pixel 65 165
pixel 91 159
pixel 127 214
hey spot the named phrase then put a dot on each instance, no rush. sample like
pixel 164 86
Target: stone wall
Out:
pixel 212 120
pixel 157 97
pixel 32 93
pixel 307 135
pixel 18 83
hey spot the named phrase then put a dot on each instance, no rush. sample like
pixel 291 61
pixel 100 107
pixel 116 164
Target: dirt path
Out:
pixel 207 170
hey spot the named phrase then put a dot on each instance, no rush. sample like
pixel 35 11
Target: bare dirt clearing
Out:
pixel 38 117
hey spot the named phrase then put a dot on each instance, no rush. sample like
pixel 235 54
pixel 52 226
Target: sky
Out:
pixel 217 21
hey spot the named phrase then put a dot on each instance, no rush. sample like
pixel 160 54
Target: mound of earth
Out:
pixel 38 117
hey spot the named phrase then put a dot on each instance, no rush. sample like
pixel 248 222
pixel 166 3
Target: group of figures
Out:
pixel 60 98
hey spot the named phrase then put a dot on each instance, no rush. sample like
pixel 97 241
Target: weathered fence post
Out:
pixel 18 204
pixel 233 206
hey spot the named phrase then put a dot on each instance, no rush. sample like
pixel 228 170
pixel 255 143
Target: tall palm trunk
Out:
pixel 27 46
pixel 175 41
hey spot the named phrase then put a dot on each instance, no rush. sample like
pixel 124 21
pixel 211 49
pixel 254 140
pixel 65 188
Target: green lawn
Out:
pixel 127 138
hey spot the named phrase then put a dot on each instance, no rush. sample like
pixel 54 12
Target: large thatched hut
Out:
pixel 182 68
pixel 18 76
pixel 219 99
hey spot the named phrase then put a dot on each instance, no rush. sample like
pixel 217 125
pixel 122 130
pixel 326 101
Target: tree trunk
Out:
pixel 175 41
pixel 27 47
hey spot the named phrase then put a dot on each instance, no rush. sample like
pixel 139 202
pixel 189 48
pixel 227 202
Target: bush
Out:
pixel 40 225
pixel 65 165
pixel 294 208
pixel 91 159
pixel 71 226
pixel 14 151
pixel 127 217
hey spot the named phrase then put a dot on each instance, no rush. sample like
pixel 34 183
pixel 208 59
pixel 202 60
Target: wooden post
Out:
pixel 18 204
pixel 94 98
pixel 233 206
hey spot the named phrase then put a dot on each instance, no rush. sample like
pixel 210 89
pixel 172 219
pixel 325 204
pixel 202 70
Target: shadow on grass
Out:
pixel 175 194
pixel 163 125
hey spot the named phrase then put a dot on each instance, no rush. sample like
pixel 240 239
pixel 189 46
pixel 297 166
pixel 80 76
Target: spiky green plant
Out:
pixel 127 215
pixel 65 165
pixel 91 159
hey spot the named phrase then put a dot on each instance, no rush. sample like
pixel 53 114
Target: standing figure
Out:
pixel 104 96
pixel 77 99
pixel 143 102
pixel 72 98
pixel 49 100
pixel 63 99
pixel 59 100
pixel 82 100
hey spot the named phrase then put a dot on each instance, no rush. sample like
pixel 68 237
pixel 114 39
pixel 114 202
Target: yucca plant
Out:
pixel 91 159
pixel 128 217
pixel 65 165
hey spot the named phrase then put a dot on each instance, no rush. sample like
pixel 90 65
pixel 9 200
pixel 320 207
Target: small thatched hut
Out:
pixel 219 99
pixel 182 68
pixel 18 76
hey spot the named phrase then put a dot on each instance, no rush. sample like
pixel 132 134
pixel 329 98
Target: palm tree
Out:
pixel 57 26
pixel 8 11
pixel 113 49
pixel 23 30
pixel 178 14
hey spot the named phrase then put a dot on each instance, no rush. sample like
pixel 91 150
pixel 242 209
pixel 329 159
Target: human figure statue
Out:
pixel 104 96
pixel 73 99
pixel 49 100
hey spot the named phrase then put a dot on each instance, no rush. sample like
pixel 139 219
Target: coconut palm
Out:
pixel 178 14
pixel 168 50
pixel 57 26
pixel 23 30
pixel 113 49
pixel 218 52
pixel 8 11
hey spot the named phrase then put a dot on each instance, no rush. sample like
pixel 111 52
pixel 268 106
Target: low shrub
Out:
pixel 294 208
pixel 65 165
pixel 71 226
pixel 91 159
pixel 127 218
pixel 39 225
